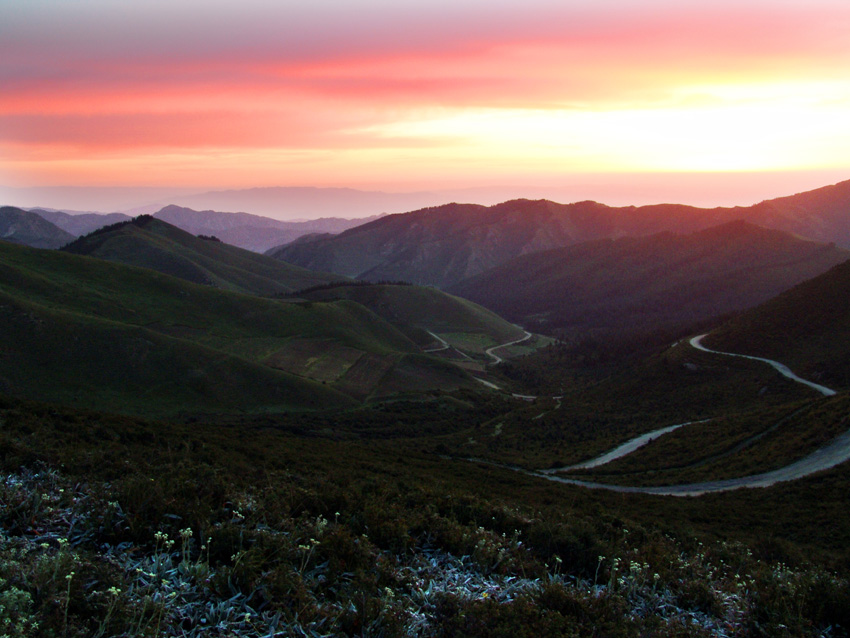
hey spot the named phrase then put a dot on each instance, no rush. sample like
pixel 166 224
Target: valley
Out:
pixel 526 419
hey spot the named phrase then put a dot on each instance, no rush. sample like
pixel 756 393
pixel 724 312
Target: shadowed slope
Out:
pixel 645 284
pixel 807 328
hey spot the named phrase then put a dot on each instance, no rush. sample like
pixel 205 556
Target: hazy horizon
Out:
pixel 310 202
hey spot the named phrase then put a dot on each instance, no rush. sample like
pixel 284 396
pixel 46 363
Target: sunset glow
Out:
pixel 415 94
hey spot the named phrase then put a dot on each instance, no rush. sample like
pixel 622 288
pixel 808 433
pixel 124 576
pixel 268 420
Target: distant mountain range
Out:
pixel 293 202
pixel 82 223
pixel 643 284
pixel 251 231
pixel 23 227
pixel 444 245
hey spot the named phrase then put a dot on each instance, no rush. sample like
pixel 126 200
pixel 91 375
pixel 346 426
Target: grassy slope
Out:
pixel 426 309
pixel 84 361
pixel 806 328
pixel 102 319
pixel 152 243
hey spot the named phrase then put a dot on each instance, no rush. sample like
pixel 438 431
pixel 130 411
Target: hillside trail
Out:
pixel 490 352
pixel 444 345
pixel 622 450
pixel 779 367
pixel 824 458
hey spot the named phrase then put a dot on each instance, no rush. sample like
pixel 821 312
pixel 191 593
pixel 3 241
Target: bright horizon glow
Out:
pixel 372 94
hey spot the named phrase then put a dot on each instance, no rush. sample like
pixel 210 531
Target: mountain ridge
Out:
pixel 445 244
pixel 30 229
pixel 657 281
pixel 149 242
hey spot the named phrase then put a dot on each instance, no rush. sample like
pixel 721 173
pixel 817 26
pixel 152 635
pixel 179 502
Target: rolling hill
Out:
pixel 151 243
pixel 23 227
pixel 806 328
pixel 632 285
pixel 427 315
pixel 112 337
pixel 443 245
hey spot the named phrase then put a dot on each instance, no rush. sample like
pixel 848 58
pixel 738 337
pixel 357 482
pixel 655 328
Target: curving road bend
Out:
pixel 782 369
pixel 490 352
pixel 825 458
pixel 618 452
pixel 444 345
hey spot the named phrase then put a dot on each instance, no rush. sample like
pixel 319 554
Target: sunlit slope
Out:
pixel 806 328
pixel 822 214
pixel 645 284
pixel 152 243
pixel 418 310
pixel 129 339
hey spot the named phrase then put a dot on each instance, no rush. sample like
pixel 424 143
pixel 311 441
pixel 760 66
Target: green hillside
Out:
pixel 151 243
pixel 807 328
pixel 422 312
pixel 129 339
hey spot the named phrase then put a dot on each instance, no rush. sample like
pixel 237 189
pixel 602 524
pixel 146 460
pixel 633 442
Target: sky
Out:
pixel 398 95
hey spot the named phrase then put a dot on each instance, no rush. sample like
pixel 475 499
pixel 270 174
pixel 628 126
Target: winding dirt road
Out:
pixel 782 369
pixel 444 345
pixel 826 457
pixel 490 352
pixel 618 452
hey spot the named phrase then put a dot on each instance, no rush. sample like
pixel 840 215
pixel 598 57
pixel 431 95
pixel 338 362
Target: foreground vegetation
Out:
pixel 117 526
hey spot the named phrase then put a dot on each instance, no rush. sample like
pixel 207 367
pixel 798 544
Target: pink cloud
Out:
pixel 97 76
